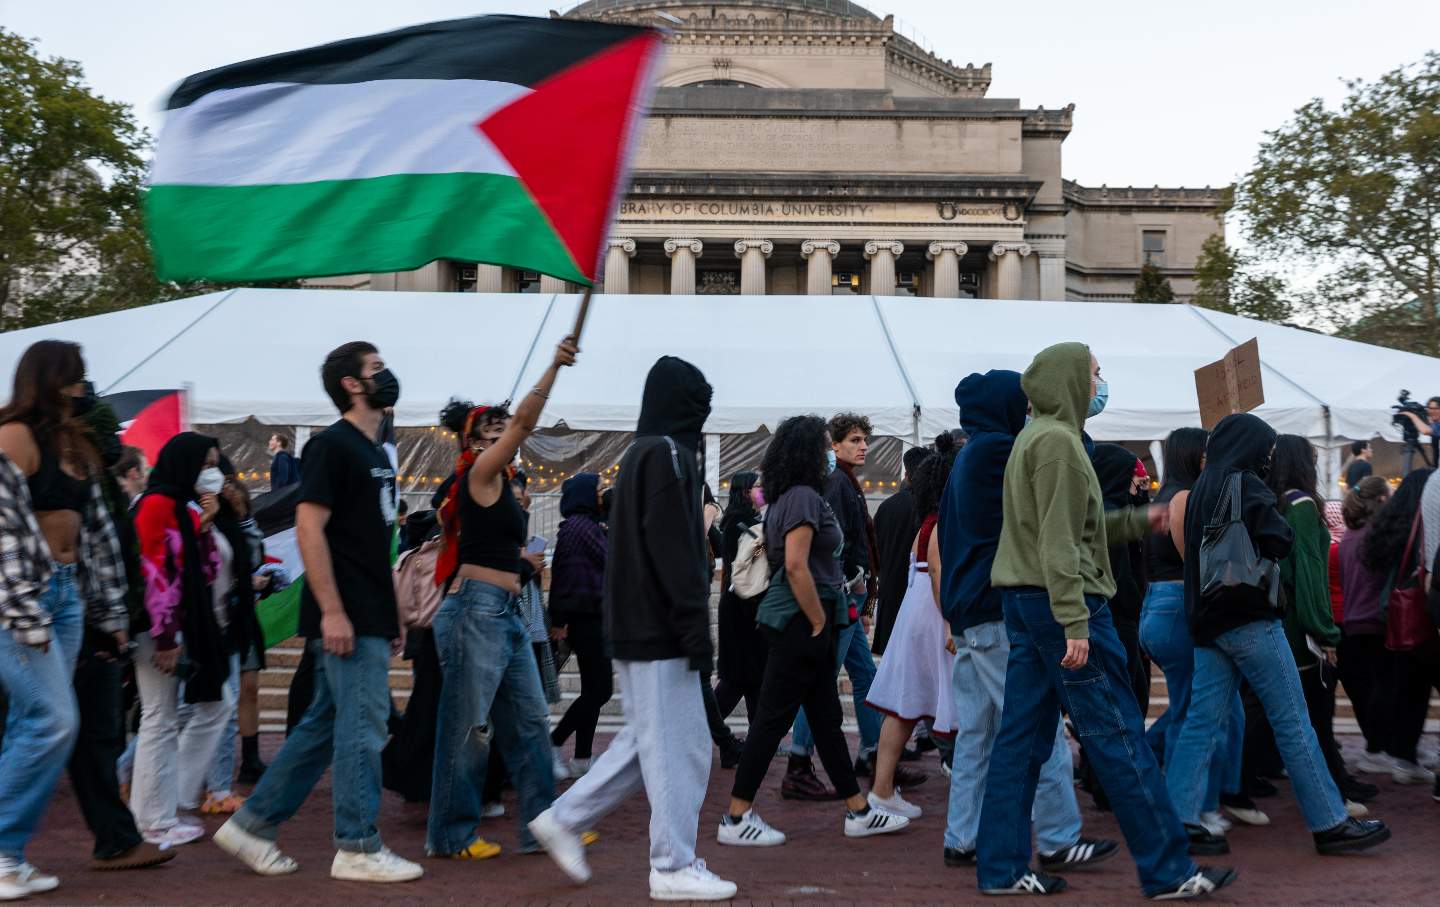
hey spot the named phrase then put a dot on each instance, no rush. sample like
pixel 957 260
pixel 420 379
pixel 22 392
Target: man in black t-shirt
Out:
pixel 344 524
pixel 1360 456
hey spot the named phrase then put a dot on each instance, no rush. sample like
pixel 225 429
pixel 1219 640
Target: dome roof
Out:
pixel 842 9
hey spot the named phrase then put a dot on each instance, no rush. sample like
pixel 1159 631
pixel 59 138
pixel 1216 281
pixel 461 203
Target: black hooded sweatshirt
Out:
pixel 657 568
pixel 1242 444
pixel 1115 468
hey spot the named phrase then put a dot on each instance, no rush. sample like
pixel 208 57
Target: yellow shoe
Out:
pixel 589 837
pixel 479 849
pixel 221 806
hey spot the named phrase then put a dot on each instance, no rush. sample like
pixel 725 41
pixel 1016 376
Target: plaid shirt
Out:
pixel 101 568
pixel 24 561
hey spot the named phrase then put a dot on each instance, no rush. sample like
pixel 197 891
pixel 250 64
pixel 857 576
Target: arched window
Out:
pixel 721 83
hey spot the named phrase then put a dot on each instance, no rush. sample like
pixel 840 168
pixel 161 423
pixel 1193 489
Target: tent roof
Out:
pixel 254 352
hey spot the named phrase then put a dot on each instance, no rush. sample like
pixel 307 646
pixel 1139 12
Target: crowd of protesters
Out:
pixel 1019 590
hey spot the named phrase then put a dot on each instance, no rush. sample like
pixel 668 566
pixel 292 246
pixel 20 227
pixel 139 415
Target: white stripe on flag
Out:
pixel 287 133
pixel 285 547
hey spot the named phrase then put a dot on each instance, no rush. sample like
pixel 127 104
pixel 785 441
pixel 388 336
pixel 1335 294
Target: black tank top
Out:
pixel 52 488
pixel 491 536
pixel 1162 562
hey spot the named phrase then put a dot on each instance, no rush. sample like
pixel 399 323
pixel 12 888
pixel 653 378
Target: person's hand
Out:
pixel 339 635
pixel 566 352
pixel 559 633
pixel 397 645
pixel 122 639
pixel 209 506
pixel 42 646
pixel 1159 515
pixel 950 642
pixel 1329 654
pixel 534 559
pixel 1077 653
pixel 165 660
pixel 816 627
pixel 867 623
pixel 260 582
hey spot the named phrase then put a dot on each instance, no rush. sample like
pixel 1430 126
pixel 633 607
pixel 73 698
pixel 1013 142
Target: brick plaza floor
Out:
pixel 1278 866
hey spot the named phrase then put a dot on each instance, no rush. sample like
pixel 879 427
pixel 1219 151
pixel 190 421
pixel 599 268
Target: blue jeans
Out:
pixel 978 685
pixel 1107 718
pixel 1165 635
pixel 852 652
pixel 345 723
pixel 491 691
pixel 43 720
pixel 1260 653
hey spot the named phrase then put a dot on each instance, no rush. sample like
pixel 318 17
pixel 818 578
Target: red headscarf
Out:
pixel 448 563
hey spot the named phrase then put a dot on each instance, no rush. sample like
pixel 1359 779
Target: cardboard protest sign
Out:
pixel 1232 385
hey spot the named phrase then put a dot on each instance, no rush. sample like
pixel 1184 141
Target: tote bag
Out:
pixel 1407 623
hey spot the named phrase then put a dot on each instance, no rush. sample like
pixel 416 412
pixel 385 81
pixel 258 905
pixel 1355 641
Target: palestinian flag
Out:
pixel 496 139
pixel 149 418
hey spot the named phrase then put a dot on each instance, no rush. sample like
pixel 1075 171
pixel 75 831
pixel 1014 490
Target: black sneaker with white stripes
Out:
pixel 872 821
pixel 748 830
pixel 1031 883
pixel 1206 880
pixel 1084 852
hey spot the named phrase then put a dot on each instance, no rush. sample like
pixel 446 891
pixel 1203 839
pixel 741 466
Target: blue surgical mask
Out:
pixel 829 461
pixel 1097 402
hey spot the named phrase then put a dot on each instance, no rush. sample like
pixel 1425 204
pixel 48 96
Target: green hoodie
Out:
pixel 1056 531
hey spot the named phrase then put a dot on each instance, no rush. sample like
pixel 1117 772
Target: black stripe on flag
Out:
pixel 521 50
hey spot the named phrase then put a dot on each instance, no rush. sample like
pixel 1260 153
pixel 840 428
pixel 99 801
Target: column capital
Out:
pixel 671 245
pixel 623 244
pixel 876 246
pixel 811 246
pixel 938 247
pixel 743 245
pixel 999 249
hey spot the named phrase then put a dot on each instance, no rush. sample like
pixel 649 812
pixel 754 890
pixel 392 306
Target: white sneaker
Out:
pixel 750 831
pixel 874 822
pixel 895 804
pixel 562 770
pixel 492 810
pixel 1215 823
pixel 562 844
pixel 1374 763
pixel 579 767
pixel 1409 773
pixel 18 879
pixel 945 768
pixel 1356 810
pixel 174 836
pixel 693 883
pixel 262 856
pixel 1248 816
pixel 384 865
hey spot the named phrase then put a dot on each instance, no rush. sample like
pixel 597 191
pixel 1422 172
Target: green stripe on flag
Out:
pixel 279 614
pixel 333 227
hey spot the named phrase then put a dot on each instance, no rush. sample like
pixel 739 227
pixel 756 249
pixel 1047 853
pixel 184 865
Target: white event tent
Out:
pixel 256 353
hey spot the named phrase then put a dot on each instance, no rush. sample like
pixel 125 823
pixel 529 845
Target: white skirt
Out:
pixel 913 680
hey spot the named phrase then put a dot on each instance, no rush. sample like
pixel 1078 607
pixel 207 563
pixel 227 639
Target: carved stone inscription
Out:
pixel 792 211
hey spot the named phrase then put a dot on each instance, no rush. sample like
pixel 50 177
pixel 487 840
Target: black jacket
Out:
pixel 657 569
pixel 896 524
pixel 1115 467
pixel 854 516
pixel 1241 444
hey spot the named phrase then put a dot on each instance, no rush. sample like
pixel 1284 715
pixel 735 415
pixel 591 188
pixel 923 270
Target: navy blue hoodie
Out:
pixel 992 411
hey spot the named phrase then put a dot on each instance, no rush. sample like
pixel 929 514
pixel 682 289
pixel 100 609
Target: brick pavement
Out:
pixel 1277 865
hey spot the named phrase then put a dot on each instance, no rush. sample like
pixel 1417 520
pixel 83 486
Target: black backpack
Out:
pixel 1230 567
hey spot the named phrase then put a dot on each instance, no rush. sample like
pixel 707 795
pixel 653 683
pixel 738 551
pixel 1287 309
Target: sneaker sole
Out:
pixel 1225 880
pixel 117 864
pixel 578 874
pixel 876 832
pixel 381 880
pixel 755 843
pixel 1002 892
pixel 1253 818
pixel 1356 845
pixel 692 896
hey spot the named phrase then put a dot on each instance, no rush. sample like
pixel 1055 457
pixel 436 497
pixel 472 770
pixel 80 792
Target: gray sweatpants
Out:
pixel 663 748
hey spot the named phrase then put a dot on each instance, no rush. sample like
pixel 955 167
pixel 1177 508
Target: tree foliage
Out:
pixel 1229 280
pixel 1355 193
pixel 1153 286
pixel 72 232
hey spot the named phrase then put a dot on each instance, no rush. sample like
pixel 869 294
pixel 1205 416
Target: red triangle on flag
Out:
pixel 568 138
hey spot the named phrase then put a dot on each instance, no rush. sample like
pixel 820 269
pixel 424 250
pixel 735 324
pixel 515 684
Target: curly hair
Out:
pixel 795 457
pixel 842 425
pixel 1292 467
pixel 457 411
pixel 932 474
pixel 1364 502
pixel 1390 529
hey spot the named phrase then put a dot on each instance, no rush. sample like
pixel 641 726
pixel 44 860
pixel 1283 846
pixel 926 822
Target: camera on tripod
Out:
pixel 1407 427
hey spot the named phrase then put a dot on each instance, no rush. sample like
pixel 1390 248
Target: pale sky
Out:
pixel 1168 93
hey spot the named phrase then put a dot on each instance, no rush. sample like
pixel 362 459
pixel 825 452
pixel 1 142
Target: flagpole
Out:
pixel 581 315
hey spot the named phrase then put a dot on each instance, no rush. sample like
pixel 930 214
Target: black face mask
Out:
pixel 385 390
